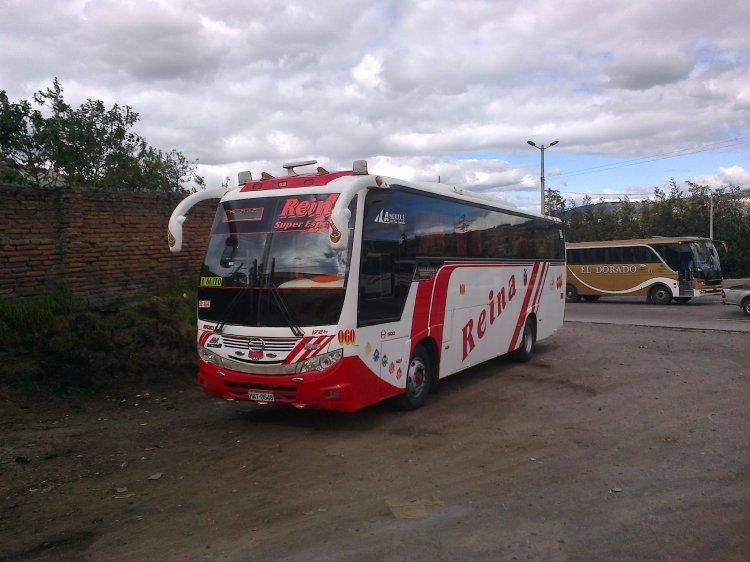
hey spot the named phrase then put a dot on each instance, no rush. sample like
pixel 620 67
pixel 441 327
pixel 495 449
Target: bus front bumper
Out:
pixel 348 386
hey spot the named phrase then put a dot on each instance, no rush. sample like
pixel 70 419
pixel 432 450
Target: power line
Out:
pixel 629 195
pixel 607 194
pixel 731 143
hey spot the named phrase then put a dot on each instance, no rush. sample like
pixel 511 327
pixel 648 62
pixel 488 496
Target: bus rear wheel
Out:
pixel 419 378
pixel 528 343
pixel 660 294
pixel 571 293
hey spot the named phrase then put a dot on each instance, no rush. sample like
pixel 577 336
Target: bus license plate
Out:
pixel 260 396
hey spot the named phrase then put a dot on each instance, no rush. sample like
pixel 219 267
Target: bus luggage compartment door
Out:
pixel 394 358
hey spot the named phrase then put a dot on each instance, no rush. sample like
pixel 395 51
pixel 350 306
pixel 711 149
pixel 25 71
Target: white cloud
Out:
pixel 734 175
pixel 425 89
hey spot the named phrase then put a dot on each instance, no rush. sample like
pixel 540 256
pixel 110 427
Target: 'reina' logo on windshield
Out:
pixel 306 214
pixel 295 208
pixel 386 217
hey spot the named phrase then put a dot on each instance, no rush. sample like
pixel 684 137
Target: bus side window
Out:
pixel 644 254
pixel 376 276
pixel 387 262
pixel 385 277
pixel 670 255
pixel 593 255
pixel 615 255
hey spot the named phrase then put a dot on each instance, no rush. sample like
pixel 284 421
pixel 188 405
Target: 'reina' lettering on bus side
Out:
pixel 495 306
pixel 294 208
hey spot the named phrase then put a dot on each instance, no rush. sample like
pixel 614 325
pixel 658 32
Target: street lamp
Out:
pixel 541 148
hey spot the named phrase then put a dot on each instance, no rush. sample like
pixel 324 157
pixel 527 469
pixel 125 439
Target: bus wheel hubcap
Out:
pixel 416 377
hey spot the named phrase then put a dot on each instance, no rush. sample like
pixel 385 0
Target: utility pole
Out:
pixel 542 148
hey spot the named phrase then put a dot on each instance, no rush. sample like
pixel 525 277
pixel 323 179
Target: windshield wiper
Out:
pixel 251 282
pixel 281 303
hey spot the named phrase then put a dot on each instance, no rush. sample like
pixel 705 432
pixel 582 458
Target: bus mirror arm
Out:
pixel 338 223
pixel 174 228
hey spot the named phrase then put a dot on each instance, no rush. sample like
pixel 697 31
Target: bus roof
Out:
pixel 320 177
pixel 637 242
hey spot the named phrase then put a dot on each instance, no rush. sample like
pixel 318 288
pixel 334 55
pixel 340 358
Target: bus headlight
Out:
pixel 209 356
pixel 321 362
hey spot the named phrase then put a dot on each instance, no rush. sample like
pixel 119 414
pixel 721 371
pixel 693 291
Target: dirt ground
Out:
pixel 614 443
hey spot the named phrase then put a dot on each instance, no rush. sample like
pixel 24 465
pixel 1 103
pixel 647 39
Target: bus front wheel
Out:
pixel 419 378
pixel 660 294
pixel 528 343
pixel 571 294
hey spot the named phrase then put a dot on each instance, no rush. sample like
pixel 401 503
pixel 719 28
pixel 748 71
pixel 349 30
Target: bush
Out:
pixel 58 343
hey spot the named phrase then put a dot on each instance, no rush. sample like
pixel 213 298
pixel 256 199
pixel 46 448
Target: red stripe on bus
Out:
pixel 540 287
pixel 316 346
pixel 204 337
pixel 522 315
pixel 297 348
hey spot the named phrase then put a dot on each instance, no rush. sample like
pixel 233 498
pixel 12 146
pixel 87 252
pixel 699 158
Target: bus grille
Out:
pixel 271 345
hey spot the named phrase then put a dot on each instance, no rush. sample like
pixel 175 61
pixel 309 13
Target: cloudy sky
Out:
pixel 635 92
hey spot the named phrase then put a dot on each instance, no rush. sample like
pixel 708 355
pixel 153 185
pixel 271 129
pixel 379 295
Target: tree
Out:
pixel 21 155
pixel 90 145
pixel 627 223
pixel 673 213
pixel 555 203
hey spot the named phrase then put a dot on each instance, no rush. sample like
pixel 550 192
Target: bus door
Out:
pixel 685 273
pixel 384 283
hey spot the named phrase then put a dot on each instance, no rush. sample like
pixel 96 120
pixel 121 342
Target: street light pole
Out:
pixel 541 148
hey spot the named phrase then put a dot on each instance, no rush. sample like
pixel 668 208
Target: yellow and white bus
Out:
pixel 660 269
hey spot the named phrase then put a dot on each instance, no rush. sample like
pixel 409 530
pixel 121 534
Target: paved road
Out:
pixel 705 313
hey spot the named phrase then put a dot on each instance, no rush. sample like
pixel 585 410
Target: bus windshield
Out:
pixel 706 260
pixel 270 263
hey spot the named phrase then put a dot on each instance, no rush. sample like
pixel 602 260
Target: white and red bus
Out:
pixel 339 290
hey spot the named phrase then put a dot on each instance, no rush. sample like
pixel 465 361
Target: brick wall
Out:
pixel 107 247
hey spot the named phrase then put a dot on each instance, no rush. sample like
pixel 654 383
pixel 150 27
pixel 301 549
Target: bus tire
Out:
pixel 660 294
pixel 571 293
pixel 528 343
pixel 419 377
pixel 591 298
pixel 745 306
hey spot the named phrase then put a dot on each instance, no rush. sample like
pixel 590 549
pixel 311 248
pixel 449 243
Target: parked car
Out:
pixel 738 295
